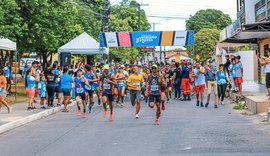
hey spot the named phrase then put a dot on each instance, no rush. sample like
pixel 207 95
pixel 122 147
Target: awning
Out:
pixel 83 44
pixel 6 44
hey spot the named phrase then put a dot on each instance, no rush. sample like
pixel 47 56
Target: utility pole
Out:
pixel 105 22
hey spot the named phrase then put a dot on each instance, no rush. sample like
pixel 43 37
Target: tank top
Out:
pixel 267 69
pixel 79 86
pixel 89 76
pixel 154 85
pixel 107 88
pixel 30 84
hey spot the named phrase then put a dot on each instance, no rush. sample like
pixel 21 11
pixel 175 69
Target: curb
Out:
pixel 15 124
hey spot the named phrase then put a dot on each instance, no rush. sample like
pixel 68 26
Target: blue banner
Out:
pixel 141 39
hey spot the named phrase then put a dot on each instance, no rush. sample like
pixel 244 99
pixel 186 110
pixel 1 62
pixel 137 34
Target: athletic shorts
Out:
pixel 109 96
pixel 8 80
pixel 238 80
pixel 2 91
pixel 43 95
pixel 58 89
pixel 135 95
pixel 267 80
pixel 90 92
pixel 30 92
pixel 169 85
pixel 81 95
pixel 66 92
pixel 155 98
pixel 119 87
pixel 200 88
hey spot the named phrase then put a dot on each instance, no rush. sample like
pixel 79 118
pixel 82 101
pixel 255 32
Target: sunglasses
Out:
pixel 154 68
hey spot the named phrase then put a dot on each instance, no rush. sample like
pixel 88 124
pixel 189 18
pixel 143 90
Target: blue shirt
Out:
pixel 185 72
pixel 211 74
pixel 89 76
pixel 42 89
pixel 221 78
pixel 57 73
pixel 79 86
pixel 66 81
pixel 7 72
pixel 31 83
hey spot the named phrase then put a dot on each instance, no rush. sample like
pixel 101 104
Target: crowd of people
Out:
pixel 155 83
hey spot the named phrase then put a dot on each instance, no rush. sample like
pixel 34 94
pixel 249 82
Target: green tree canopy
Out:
pixel 209 18
pixel 205 43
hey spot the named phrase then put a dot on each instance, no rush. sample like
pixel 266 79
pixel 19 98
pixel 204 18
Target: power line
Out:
pixel 86 9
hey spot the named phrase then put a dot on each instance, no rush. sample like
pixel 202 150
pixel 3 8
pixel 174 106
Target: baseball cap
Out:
pixel 122 66
pixel 154 65
pixel 106 67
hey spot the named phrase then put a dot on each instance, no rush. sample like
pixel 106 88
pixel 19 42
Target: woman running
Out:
pixel 121 85
pixel 30 83
pixel 163 89
pixel 66 85
pixel 3 91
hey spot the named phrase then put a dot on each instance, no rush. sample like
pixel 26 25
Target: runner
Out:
pixel 163 89
pixel 134 83
pixel 96 84
pixel 80 83
pixel 121 85
pixel 169 75
pixel 107 84
pixel 177 81
pixel 154 83
pixel 199 77
pixel 91 78
pixel 145 74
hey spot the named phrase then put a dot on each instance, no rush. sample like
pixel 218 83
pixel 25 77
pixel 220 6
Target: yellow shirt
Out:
pixel 135 80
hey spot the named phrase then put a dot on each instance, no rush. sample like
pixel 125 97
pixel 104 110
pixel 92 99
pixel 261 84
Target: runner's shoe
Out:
pixel 79 113
pixel 84 115
pixel 90 109
pixel 157 122
pixel 105 114
pixel 163 107
pixel 111 117
pixel 137 116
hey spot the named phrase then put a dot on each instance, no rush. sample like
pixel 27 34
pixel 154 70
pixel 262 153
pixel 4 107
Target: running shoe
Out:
pixel 202 104
pixel 79 113
pixel 206 105
pixel 105 114
pixel 84 115
pixel 137 116
pixel 111 117
pixel 42 107
pixel 198 103
pixel 58 105
pixel 216 106
pixel 90 109
pixel 157 122
pixel 122 104
pixel 163 107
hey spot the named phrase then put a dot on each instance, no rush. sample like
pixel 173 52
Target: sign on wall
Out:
pixel 143 39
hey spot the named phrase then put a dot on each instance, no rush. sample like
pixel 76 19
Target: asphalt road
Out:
pixel 184 130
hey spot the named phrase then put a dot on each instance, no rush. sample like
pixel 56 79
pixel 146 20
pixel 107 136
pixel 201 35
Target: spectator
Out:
pixel 265 62
pixel 3 84
pixel 239 74
pixel 222 78
pixel 227 64
pixel 8 75
pixel 211 74
pixel 177 81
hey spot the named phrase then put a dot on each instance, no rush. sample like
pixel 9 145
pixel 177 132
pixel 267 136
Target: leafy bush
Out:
pixel 239 106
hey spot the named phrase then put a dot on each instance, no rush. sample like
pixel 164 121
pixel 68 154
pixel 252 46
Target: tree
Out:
pixel 124 17
pixel 209 18
pixel 205 42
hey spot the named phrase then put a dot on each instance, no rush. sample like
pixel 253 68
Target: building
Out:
pixel 172 57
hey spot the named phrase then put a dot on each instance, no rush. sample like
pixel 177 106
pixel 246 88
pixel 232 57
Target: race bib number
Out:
pixel 79 90
pixel 107 86
pixel 136 85
pixel 154 87
pixel 88 87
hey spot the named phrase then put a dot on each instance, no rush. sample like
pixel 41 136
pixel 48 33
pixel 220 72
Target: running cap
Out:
pixel 106 67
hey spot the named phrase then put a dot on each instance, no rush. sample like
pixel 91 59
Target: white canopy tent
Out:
pixel 6 44
pixel 83 44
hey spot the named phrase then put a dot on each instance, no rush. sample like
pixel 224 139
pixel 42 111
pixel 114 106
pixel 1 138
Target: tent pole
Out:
pixel 16 57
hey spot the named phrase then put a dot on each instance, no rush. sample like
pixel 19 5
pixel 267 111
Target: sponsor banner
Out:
pixel 147 39
pixel 111 39
pixel 166 38
pixel 124 39
pixel 180 38
pixel 140 39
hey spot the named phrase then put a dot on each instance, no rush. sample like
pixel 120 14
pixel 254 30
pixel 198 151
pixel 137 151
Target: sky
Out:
pixel 182 9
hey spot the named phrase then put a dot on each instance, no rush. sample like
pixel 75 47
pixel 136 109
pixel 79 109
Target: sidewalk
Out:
pixel 21 116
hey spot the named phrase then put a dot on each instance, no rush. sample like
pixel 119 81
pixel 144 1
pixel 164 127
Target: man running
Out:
pixel 134 83
pixel 169 75
pixel 107 84
pixel 80 83
pixel 96 83
pixel 154 82
pixel 91 78
pixel 199 77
